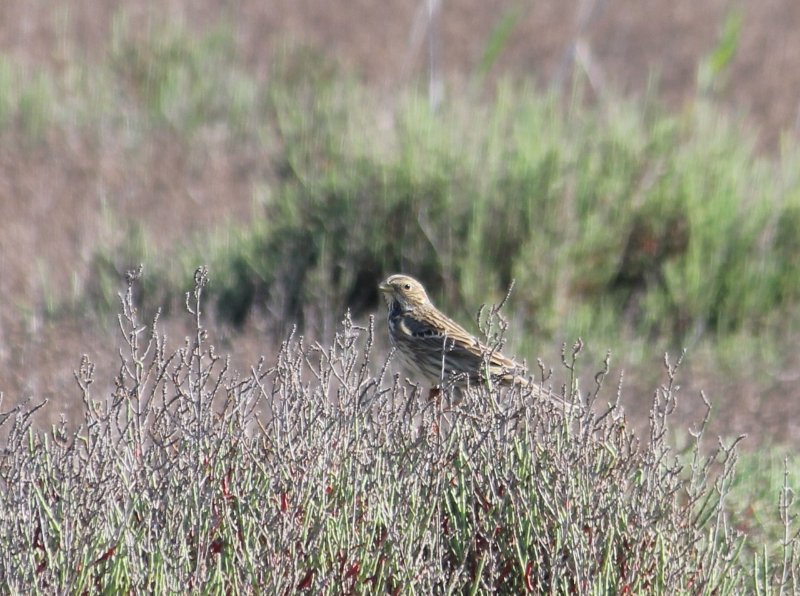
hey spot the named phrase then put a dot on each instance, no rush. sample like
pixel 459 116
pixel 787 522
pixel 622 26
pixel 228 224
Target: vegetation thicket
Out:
pixel 321 472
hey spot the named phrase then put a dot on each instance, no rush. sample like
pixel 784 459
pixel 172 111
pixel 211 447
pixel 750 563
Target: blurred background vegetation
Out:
pixel 300 177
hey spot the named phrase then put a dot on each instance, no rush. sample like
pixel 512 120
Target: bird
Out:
pixel 434 348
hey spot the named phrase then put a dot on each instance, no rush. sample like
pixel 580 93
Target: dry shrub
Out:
pixel 324 473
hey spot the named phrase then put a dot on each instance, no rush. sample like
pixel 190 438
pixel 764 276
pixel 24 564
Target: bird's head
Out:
pixel 406 291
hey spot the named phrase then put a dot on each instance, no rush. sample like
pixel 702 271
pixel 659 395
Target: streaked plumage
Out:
pixel 436 349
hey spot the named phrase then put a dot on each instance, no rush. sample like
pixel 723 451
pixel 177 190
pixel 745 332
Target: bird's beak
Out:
pixel 385 288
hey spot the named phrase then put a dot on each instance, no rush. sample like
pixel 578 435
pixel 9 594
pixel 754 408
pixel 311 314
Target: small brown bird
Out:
pixel 436 349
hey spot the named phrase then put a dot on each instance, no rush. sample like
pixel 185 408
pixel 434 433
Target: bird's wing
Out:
pixel 435 333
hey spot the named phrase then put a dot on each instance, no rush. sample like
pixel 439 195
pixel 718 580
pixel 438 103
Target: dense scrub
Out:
pixel 322 471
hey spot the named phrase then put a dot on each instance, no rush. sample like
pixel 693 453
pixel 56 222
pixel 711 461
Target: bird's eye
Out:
pixel 407 286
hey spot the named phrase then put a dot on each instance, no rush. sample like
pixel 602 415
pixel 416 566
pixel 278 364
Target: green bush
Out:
pixel 645 223
pixel 585 214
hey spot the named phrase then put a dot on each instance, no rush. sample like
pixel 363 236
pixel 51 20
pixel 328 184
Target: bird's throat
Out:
pixel 395 310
